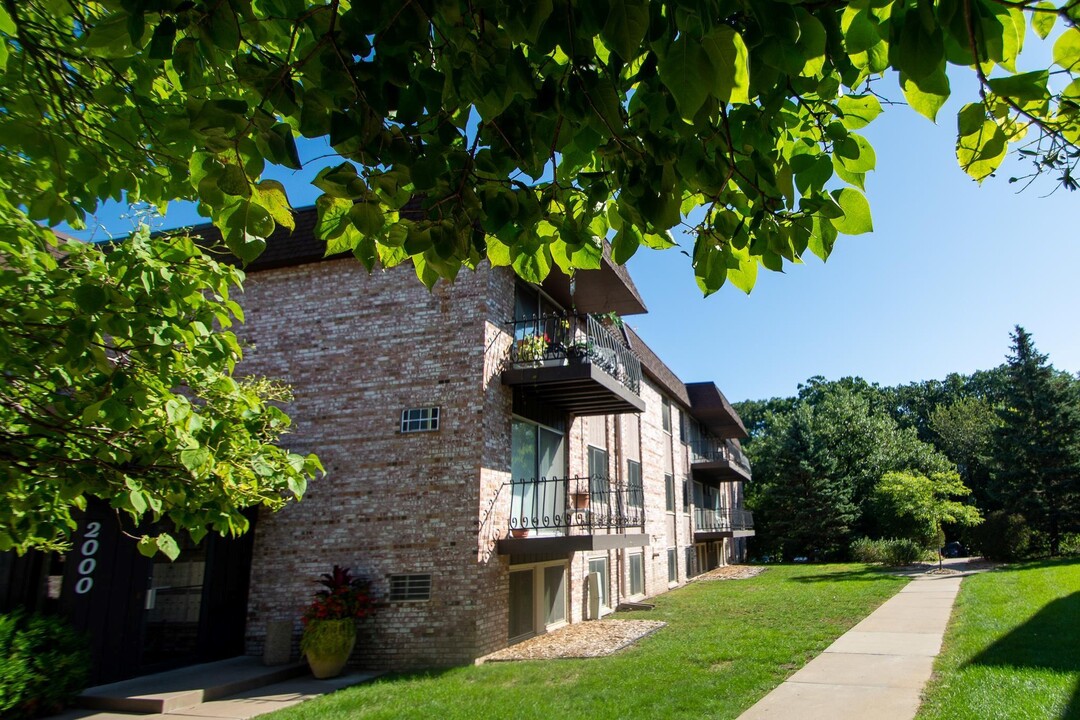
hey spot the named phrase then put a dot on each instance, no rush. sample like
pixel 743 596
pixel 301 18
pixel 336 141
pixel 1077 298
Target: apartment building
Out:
pixel 502 459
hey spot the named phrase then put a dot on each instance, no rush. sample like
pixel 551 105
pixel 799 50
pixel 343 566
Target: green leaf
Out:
pixel 860 32
pixel 730 64
pixel 333 215
pixel 161 42
pixel 858 110
pixel 812 39
pixel 90 298
pixel 920 52
pixel 270 196
pixel 147 546
pixel 533 265
pixel 368 217
pixel 1023 87
pixel 625 28
pixel 7 25
pixel 855 154
pixel 981 151
pixel 856 219
pixel 822 238
pixel 168 546
pixel 683 69
pixel 194 459
pixel 1043 22
pixel 625 243
pixel 928 95
pixel 1067 50
pixel 744 275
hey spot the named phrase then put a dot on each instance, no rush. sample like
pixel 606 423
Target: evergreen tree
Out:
pixel 1036 449
pixel 811 509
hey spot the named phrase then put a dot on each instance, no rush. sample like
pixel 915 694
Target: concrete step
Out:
pixel 187 687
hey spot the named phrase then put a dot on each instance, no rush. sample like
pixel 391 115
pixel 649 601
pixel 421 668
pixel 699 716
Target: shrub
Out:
pixel 892 551
pixel 902 551
pixel 866 550
pixel 44 663
pixel 1070 544
pixel 1003 536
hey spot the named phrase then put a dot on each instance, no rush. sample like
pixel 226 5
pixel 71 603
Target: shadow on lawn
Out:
pixel 868 573
pixel 1050 640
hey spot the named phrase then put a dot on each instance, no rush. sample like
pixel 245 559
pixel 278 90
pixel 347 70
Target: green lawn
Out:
pixel 726 645
pixel 1013 648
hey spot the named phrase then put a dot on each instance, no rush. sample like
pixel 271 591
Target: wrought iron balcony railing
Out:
pixel 723 520
pixel 550 340
pixel 581 505
pixel 712 450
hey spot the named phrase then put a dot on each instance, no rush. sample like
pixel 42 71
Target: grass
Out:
pixel 726 645
pixel 1013 647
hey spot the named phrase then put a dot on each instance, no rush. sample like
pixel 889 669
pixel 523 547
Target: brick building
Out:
pixel 501 459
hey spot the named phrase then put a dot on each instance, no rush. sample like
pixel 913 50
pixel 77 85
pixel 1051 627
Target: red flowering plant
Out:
pixel 343 597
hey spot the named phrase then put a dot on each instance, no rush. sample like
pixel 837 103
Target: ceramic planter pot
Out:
pixel 327 645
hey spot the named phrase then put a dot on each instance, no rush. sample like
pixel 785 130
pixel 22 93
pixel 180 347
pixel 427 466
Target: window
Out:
pixel 538 472
pixel 410 588
pixel 635 490
pixel 665 414
pixel 637 573
pixel 598 479
pixel 672 565
pixel 686 495
pixel 599 566
pixel 537 599
pixel 420 420
pixel 669 492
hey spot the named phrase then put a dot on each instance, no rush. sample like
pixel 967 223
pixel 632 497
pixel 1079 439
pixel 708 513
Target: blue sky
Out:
pixel 949 270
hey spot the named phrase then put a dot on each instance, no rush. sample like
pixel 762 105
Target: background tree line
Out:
pixel 847 459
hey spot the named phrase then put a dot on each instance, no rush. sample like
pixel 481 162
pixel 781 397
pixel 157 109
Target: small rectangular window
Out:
pixel 672 565
pixel 686 495
pixel 420 420
pixel 637 574
pixel 665 414
pixel 634 488
pixel 410 588
pixel 669 492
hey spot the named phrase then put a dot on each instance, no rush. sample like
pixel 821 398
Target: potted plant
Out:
pixel 578 351
pixel 330 621
pixel 532 348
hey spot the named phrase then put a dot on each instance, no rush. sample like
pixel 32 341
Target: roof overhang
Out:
pixel 608 289
pixel 713 410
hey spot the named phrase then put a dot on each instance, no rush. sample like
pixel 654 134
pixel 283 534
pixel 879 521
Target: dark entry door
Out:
pixel 145 615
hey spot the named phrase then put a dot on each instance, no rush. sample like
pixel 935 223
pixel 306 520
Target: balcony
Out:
pixel 562 515
pixel 718 461
pixel 722 523
pixel 576 363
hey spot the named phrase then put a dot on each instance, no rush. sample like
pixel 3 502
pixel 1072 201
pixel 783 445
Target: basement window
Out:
pixel 420 420
pixel 410 588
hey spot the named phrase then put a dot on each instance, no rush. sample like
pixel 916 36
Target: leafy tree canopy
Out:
pixel 914 506
pixel 118 385
pixel 527 131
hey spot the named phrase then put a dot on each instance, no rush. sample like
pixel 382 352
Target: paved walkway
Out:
pixel 876 670
pixel 240 706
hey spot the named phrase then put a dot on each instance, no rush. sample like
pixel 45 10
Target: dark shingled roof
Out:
pixel 714 411
pixel 655 368
pixel 605 290
pixel 703 400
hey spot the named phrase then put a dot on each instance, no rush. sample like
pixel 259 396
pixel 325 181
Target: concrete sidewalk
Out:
pixel 240 706
pixel 876 670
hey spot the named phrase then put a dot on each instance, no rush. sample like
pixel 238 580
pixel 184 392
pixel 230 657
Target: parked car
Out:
pixel 954 550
